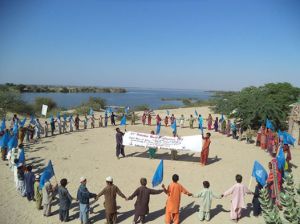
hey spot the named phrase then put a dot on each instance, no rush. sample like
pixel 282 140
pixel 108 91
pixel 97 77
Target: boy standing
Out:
pixel 206 196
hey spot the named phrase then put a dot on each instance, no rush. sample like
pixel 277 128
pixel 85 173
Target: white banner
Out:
pixel 44 109
pixel 186 143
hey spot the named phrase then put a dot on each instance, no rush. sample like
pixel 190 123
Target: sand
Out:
pixel 91 153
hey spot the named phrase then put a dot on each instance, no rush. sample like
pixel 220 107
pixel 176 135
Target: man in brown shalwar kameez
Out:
pixel 110 204
pixel 142 202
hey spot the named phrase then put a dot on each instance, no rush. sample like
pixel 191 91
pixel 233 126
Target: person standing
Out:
pixel 65 200
pixel 21 183
pixel 110 204
pixel 29 179
pixel 206 196
pixel 77 120
pixel 181 121
pixel 105 120
pixel 83 196
pixel 52 124
pixel 166 121
pixel 191 121
pixel 132 118
pixel 100 121
pixel 216 124
pixel 119 142
pixel 255 200
pixel 200 123
pixel 174 192
pixel 149 119
pixel 142 201
pixel 209 122
pixel 205 149
pixel 37 192
pixel 48 195
pixel 238 192
pixel 112 119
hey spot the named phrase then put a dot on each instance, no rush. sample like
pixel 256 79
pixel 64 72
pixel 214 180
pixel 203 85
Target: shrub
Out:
pixel 39 101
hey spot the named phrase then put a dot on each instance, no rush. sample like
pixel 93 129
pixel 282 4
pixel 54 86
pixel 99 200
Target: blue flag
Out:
pixel 32 119
pixel 13 142
pixel 21 157
pixel 4 140
pixel 168 112
pixel 158 128
pixel 15 128
pixel 58 115
pixel 269 124
pixel 286 138
pixel 65 117
pixel 174 126
pixel 22 123
pixel 159 174
pixel 3 125
pixel 280 159
pixel 196 113
pixel 222 118
pixel 126 110
pixel 123 120
pixel 91 111
pixel 51 118
pixel 47 174
pixel 259 173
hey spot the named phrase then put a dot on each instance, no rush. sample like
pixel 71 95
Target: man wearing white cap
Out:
pixel 83 196
pixel 110 204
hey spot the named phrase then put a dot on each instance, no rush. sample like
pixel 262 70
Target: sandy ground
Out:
pixel 91 153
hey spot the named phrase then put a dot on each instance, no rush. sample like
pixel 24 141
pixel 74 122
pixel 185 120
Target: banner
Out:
pixel 44 109
pixel 186 143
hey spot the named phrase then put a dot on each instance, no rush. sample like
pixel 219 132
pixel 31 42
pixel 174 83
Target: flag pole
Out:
pixel 250 182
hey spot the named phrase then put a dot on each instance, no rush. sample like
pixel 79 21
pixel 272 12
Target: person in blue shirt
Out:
pixel 83 196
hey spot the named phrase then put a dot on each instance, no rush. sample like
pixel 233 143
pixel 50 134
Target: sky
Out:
pixel 201 44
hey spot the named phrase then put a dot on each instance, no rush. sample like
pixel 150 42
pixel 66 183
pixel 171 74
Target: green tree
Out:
pixel 253 105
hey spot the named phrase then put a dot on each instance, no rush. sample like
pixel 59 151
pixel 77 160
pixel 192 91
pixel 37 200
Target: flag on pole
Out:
pixel 91 111
pixel 4 140
pixel 159 174
pixel 269 124
pixel 65 117
pixel 222 118
pixel 22 123
pixel 13 142
pixel 126 110
pixel 22 157
pixel 123 120
pixel 286 137
pixel 168 112
pixel 58 115
pixel 47 174
pixel 259 173
pixel 280 159
pixel 3 125
pixel 196 113
pixel 15 128
pixel 32 119
pixel 158 128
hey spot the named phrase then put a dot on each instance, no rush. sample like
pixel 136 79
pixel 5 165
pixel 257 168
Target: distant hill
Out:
pixel 59 89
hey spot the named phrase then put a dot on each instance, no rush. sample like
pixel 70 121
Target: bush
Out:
pixel 39 101
pixel 141 107
pixel 96 103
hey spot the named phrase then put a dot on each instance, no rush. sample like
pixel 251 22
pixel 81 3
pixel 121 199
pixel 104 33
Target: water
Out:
pixel 132 98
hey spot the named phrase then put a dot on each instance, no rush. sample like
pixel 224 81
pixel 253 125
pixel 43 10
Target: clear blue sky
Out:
pixel 201 44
